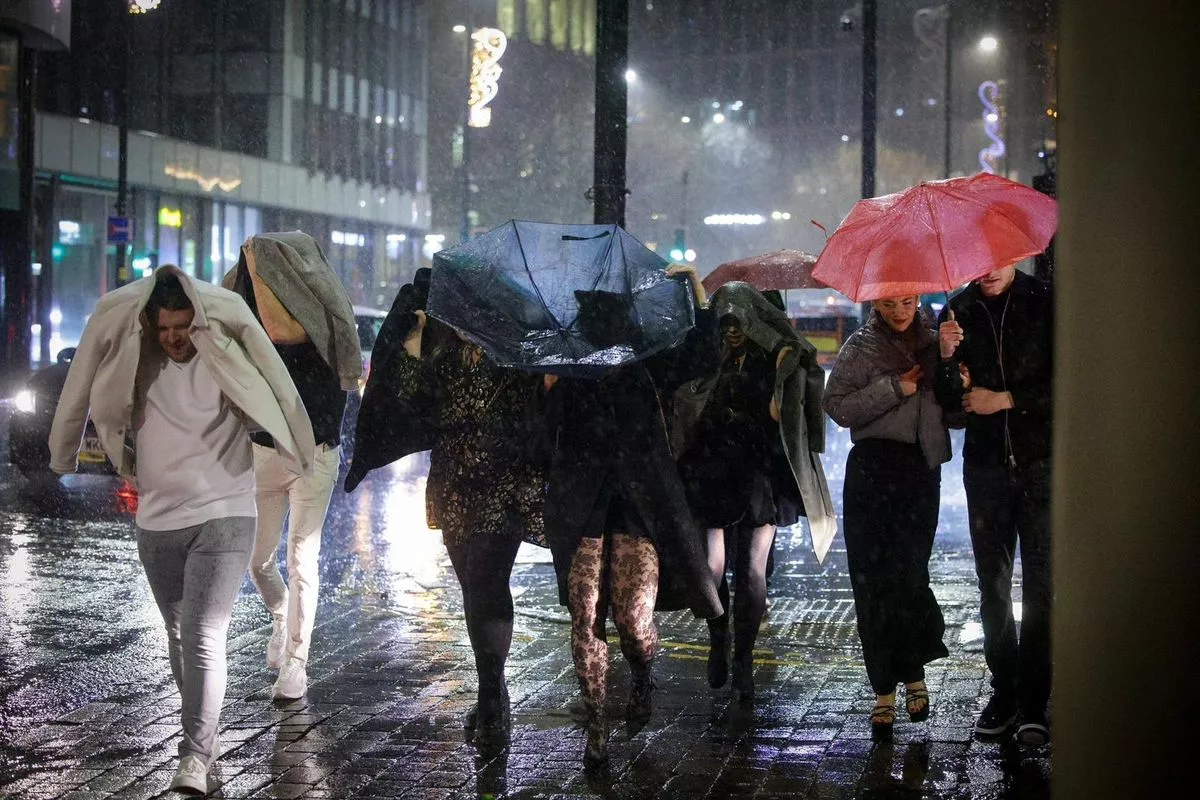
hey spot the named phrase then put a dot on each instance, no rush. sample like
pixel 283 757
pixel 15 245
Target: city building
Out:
pixel 243 117
pixel 26 26
pixel 533 160
pixel 746 119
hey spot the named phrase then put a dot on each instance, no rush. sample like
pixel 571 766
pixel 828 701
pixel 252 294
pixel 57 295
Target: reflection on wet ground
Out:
pixel 87 708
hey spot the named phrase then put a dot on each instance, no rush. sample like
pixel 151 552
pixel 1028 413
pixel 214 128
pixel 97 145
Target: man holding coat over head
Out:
pixel 173 373
pixel 297 296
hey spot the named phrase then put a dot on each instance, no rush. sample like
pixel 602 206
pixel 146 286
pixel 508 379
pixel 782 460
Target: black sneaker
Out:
pixel 1033 731
pixel 996 718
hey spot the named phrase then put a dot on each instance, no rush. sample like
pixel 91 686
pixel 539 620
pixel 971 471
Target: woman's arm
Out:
pixel 853 398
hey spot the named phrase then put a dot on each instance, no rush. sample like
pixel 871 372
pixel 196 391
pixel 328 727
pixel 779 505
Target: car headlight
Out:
pixel 25 401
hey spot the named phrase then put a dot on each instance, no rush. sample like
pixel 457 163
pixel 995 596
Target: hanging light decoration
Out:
pixel 143 6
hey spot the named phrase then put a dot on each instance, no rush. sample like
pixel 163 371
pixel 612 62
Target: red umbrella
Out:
pixel 781 269
pixel 935 237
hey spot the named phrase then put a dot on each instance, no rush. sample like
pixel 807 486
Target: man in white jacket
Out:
pixel 197 372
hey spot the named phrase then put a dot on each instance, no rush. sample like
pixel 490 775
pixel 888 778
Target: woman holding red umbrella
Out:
pixel 881 387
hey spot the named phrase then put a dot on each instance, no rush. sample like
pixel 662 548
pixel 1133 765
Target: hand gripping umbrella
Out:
pixel 935 237
pixel 573 300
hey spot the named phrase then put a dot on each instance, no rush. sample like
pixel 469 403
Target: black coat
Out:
pixel 388 427
pixel 615 429
pixel 1010 349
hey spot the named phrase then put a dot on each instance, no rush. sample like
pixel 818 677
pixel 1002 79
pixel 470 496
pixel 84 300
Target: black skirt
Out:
pixel 740 476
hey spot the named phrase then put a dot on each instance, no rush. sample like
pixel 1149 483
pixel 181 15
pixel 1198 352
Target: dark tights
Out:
pixel 483 564
pixel 750 576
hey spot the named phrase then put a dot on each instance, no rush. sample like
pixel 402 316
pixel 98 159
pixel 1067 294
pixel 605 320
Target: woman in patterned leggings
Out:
pixel 617 519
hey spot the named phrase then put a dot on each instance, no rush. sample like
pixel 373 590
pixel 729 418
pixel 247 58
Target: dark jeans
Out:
pixel 483 563
pixel 1007 505
pixel 890 510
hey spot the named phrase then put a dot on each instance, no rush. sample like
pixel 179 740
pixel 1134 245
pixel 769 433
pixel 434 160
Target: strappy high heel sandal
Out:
pixel 916 702
pixel 882 720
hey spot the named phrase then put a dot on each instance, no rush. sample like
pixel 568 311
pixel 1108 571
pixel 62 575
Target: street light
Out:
pixel 135 7
pixel 988 44
pixel 925 22
pixel 630 76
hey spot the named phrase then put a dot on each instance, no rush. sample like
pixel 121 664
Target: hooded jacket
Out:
pixel 864 395
pixel 799 385
pixel 293 267
pixel 1011 350
pixel 102 380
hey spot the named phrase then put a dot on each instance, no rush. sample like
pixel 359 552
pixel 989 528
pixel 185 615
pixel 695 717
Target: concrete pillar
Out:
pixel 1127 416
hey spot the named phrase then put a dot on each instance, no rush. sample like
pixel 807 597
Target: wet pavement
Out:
pixel 88 710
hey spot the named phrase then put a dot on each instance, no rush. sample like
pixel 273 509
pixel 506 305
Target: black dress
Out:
pixel 483 479
pixel 735 469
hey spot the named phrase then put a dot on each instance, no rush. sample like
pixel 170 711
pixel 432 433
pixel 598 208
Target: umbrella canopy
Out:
pixel 935 237
pixel 563 299
pixel 780 269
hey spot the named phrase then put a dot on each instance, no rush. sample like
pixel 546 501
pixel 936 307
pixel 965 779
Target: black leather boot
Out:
pixel 641 697
pixel 595 748
pixel 743 677
pixel 718 652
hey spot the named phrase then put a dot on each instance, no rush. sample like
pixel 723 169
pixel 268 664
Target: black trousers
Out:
pixel 483 563
pixel 890 510
pixel 1008 505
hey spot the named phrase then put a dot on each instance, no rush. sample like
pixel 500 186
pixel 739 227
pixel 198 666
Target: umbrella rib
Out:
pixel 537 289
pixel 941 243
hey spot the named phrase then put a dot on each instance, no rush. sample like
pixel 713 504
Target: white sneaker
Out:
pixel 191 776
pixel 292 682
pixel 276 644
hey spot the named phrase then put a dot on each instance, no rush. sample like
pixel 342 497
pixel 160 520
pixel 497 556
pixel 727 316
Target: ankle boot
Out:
pixel 718 652
pixel 743 677
pixel 595 749
pixel 493 716
pixel 641 696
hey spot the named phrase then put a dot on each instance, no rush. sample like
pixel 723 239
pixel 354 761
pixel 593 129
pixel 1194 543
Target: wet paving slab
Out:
pixel 88 710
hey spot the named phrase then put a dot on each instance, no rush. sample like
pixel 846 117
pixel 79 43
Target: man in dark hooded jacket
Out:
pixel 996 345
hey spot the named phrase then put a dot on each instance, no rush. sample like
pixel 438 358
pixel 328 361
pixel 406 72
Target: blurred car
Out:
pixel 33 411
pixel 35 403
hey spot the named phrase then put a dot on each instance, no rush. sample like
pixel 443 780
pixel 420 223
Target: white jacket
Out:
pixel 233 345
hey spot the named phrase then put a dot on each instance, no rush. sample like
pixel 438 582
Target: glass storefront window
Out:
pixel 81 260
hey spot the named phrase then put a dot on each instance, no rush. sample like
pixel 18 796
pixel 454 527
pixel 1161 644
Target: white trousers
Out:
pixel 302 501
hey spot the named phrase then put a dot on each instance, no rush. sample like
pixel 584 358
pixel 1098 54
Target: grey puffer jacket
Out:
pixel 863 392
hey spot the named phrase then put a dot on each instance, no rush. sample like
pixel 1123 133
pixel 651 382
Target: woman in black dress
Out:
pixel 485 491
pixel 881 388
pixel 748 467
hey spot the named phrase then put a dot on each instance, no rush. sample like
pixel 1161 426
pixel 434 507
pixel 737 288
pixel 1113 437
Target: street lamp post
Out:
pixel 925 21
pixel 132 8
pixel 465 30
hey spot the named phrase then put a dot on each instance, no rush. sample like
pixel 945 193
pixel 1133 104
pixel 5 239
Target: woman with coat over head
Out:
pixel 485 491
pixel 749 435
pixel 881 387
pixel 617 518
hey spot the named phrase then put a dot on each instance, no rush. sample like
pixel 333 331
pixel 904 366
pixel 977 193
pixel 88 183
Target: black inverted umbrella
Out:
pixel 571 300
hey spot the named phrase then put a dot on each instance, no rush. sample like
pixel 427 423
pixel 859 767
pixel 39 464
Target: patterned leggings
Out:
pixel 632 589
